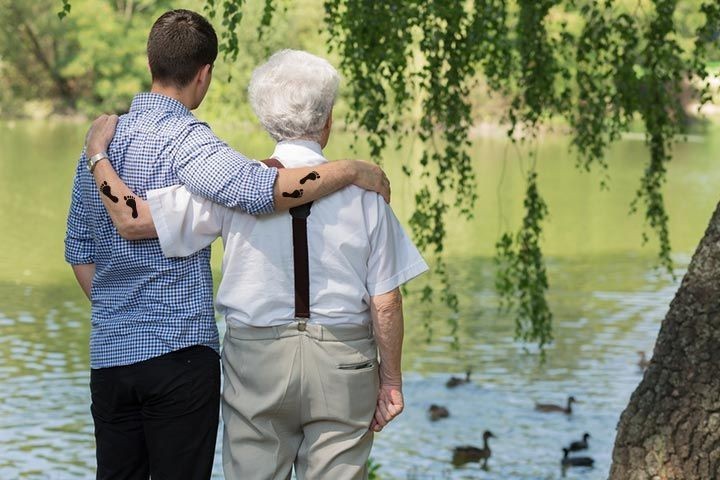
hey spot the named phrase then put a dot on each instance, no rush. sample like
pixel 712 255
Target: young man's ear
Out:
pixel 205 73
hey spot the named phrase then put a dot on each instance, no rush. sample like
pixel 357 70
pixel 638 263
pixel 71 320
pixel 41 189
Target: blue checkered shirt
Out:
pixel 143 304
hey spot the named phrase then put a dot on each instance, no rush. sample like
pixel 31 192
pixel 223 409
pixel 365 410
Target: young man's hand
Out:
pixel 100 134
pixel 389 405
pixel 369 176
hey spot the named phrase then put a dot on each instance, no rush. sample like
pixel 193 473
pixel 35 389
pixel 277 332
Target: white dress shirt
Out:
pixel 356 249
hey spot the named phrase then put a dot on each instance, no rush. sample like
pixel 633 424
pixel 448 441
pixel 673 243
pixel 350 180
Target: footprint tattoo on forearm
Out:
pixel 130 202
pixel 310 176
pixel 294 194
pixel 105 189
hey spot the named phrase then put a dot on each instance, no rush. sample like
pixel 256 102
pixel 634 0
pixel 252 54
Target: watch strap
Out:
pixel 92 161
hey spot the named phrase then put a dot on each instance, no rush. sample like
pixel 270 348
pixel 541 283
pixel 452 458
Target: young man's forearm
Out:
pixel 387 317
pixel 296 186
pixel 84 274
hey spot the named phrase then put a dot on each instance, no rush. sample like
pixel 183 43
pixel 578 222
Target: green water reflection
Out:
pixel 606 297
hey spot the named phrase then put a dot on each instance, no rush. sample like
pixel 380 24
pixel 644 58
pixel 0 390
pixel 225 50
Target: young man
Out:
pixel 300 364
pixel 155 376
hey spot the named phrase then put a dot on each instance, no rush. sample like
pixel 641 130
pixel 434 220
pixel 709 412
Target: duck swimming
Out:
pixel 436 412
pixel 468 453
pixel 575 461
pixel 580 444
pixel 457 381
pixel 549 407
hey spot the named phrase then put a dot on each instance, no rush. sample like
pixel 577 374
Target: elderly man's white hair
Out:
pixel 293 94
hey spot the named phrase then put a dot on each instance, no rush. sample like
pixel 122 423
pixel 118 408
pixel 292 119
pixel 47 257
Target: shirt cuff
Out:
pixel 265 202
pixel 78 253
pixel 163 232
pixel 398 279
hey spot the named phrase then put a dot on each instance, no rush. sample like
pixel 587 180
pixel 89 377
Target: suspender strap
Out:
pixel 300 257
pixel 273 162
pixel 300 252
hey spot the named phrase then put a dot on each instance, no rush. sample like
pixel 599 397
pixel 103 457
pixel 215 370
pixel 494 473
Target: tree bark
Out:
pixel 671 427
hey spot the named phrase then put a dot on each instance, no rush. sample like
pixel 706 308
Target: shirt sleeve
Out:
pixel 185 223
pixel 394 259
pixel 211 169
pixel 79 241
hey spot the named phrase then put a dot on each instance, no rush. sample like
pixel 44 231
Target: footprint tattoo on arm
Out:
pixel 294 194
pixel 105 189
pixel 310 176
pixel 130 202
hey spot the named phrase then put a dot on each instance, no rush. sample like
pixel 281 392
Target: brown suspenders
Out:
pixel 300 252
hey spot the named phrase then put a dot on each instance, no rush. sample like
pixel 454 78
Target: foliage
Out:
pixel 620 65
pixel 90 62
pixel 521 271
pixel 373 468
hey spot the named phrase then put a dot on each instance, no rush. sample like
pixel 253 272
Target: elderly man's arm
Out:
pixel 387 318
pixel 129 213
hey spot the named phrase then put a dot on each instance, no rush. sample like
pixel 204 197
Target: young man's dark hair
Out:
pixel 180 43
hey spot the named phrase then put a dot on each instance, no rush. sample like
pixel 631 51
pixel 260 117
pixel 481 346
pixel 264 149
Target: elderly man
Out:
pixel 309 297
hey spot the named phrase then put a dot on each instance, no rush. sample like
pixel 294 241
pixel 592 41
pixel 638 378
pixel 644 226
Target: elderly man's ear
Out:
pixel 326 131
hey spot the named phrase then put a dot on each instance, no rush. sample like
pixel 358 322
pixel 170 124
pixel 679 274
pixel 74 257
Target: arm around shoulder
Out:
pixel 296 186
pixel 129 213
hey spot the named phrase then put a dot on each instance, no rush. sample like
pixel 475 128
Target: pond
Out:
pixel 607 297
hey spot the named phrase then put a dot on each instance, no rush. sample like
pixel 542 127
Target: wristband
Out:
pixel 92 161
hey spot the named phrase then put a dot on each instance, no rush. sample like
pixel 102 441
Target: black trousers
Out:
pixel 157 418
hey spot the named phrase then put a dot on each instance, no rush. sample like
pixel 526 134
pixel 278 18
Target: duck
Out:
pixel 436 412
pixel 549 407
pixel 643 363
pixel 469 453
pixel 580 444
pixel 575 461
pixel 457 381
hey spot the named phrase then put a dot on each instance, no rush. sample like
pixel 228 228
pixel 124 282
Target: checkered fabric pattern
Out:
pixel 143 304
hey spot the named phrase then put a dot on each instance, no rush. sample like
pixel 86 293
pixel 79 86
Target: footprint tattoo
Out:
pixel 105 189
pixel 294 194
pixel 310 176
pixel 130 202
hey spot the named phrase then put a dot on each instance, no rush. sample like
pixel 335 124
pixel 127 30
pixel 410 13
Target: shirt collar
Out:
pixel 299 153
pixel 150 101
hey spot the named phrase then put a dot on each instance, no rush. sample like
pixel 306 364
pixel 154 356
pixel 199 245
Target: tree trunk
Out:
pixel 671 428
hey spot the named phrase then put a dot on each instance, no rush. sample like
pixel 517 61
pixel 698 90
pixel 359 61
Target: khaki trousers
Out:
pixel 299 395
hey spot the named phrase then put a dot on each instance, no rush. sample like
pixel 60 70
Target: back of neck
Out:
pixel 173 92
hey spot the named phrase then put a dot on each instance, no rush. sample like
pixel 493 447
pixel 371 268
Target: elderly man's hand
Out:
pixel 100 134
pixel 389 405
pixel 369 176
